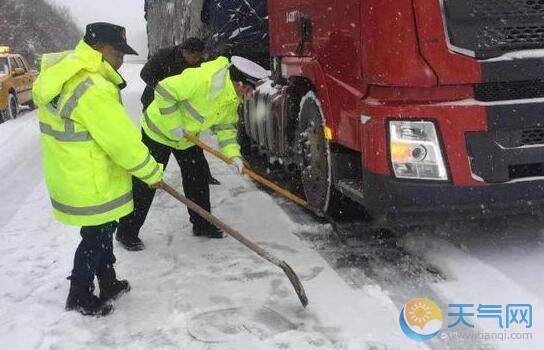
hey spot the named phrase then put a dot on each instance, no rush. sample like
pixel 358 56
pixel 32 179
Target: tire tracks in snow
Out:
pixel 377 259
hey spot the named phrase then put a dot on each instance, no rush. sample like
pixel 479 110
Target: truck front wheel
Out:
pixel 314 158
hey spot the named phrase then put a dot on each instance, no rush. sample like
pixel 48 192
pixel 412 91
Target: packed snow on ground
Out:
pixel 188 293
pixel 195 293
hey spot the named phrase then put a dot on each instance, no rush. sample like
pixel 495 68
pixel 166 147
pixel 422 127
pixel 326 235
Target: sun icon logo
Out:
pixel 420 313
pixel 421 319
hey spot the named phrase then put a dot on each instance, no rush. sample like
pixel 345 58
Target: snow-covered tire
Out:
pixel 314 157
pixel 13 107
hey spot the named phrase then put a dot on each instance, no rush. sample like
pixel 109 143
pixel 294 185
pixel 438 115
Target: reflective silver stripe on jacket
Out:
pixel 164 93
pixel 72 102
pixel 141 165
pixel 155 170
pixel 179 132
pixel 154 127
pixel 64 136
pixel 225 143
pixel 69 134
pixel 223 127
pixel 169 110
pixel 51 109
pixel 193 112
pixel 95 209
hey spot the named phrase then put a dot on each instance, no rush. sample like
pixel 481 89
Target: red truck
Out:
pixel 417 109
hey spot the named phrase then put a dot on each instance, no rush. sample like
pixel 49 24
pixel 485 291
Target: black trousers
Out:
pixel 94 255
pixel 195 174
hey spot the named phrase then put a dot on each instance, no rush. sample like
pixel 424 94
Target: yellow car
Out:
pixel 16 80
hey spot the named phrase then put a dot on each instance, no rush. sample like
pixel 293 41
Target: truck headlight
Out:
pixel 415 151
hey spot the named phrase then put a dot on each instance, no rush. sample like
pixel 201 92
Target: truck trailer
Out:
pixel 416 109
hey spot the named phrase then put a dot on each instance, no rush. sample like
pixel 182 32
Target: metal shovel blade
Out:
pixel 295 281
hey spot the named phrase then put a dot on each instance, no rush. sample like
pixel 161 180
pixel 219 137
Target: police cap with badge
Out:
pixel 246 71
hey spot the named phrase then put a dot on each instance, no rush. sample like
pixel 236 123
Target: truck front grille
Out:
pixel 490 28
pixel 512 37
pixel 513 90
pixel 532 137
pixel 500 156
pixel 525 171
pixel 501 8
pixel 520 138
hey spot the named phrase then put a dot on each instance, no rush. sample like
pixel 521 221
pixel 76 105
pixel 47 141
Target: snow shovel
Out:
pixel 293 278
pixel 247 171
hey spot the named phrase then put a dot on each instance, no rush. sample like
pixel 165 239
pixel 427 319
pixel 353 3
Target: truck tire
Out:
pixel 314 158
pixel 13 107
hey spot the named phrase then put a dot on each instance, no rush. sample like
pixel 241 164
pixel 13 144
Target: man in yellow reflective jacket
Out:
pixel 198 99
pixel 90 150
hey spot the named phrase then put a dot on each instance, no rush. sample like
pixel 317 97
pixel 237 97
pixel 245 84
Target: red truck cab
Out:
pixel 417 109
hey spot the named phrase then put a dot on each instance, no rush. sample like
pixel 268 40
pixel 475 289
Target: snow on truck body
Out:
pixel 429 108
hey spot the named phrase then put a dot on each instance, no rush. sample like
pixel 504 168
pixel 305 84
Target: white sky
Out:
pixel 127 13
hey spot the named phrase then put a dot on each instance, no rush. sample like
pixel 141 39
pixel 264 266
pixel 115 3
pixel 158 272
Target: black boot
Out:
pixel 130 242
pixel 86 303
pixel 209 231
pixel 110 287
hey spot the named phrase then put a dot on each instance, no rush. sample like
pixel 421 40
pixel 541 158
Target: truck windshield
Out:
pixel 4 69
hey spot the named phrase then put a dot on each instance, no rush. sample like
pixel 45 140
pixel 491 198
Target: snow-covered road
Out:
pixel 20 167
pixel 193 293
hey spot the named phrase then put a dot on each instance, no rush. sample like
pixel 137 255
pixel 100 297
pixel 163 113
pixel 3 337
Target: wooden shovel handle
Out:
pixel 247 171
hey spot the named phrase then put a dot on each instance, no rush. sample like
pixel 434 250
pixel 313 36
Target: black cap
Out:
pixel 102 32
pixel 193 45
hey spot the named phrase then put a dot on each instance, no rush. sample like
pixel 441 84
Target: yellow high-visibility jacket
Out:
pixel 89 144
pixel 196 100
